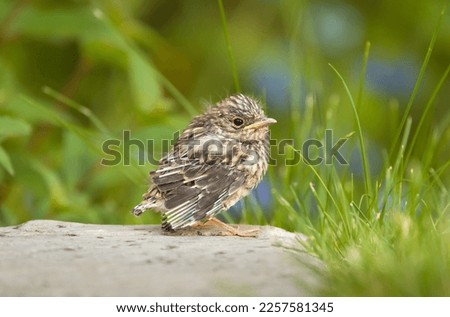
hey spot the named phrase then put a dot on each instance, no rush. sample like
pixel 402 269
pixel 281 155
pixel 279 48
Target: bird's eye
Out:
pixel 237 122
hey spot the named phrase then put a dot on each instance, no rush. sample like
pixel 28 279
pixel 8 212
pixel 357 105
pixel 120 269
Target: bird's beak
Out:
pixel 261 123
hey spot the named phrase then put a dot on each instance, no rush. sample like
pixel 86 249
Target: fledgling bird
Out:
pixel 218 159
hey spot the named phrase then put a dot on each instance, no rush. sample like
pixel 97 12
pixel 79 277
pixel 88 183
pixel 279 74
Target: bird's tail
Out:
pixel 143 206
pixel 152 200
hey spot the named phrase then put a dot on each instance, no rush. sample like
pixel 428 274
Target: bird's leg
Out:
pixel 253 233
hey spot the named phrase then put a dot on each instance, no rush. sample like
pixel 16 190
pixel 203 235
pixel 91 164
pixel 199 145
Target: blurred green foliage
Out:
pixel 74 74
pixel 146 66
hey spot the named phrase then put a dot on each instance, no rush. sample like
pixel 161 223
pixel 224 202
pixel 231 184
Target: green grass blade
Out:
pixel 237 87
pixel 342 215
pixel 82 109
pixel 362 76
pixel 425 112
pixel 367 178
pixel 419 80
pixel 176 93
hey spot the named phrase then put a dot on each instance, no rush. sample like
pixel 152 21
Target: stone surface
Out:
pixel 52 258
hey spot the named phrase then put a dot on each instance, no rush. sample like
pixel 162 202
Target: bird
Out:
pixel 216 160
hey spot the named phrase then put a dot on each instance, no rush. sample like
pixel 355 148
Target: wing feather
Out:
pixel 194 192
pixel 193 184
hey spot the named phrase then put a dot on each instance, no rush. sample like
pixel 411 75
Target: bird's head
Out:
pixel 239 117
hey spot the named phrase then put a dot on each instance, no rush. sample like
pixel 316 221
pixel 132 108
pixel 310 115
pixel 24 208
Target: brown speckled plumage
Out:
pixel 218 159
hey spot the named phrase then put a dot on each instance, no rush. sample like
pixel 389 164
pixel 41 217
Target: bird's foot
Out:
pixel 230 230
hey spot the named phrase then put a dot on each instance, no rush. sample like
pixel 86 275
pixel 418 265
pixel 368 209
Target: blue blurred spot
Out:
pixel 374 160
pixel 392 77
pixel 263 194
pixel 260 195
pixel 271 78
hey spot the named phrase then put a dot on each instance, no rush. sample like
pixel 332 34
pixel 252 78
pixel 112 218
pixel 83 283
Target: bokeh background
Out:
pixel 76 73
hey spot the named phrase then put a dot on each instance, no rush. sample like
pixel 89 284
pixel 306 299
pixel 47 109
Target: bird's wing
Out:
pixel 194 191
